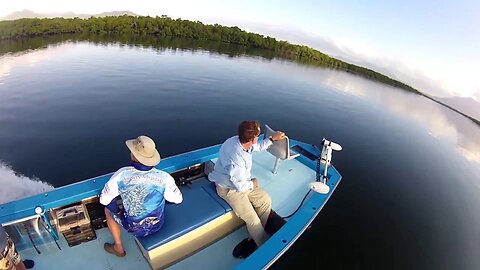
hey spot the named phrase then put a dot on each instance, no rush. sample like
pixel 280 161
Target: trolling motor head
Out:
pixel 327 147
pixel 324 158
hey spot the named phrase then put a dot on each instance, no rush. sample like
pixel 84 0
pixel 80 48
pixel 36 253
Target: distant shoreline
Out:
pixel 166 27
pixel 476 121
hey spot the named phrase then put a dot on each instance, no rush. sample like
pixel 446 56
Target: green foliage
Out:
pixel 160 44
pixel 166 27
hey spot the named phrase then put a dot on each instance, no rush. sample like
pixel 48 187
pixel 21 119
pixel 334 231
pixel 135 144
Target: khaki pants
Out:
pixel 253 207
pixel 9 257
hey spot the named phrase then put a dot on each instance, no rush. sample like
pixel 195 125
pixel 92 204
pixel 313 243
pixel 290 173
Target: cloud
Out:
pixel 428 78
pixel 29 58
pixel 476 96
pixel 16 186
pixel 442 124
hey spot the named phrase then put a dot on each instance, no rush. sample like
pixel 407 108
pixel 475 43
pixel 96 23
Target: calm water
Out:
pixel 411 168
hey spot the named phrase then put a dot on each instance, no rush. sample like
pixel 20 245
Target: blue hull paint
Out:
pixel 92 187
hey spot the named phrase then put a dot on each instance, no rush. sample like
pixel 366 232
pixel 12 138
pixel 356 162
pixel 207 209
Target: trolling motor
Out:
pixel 325 158
pixel 320 185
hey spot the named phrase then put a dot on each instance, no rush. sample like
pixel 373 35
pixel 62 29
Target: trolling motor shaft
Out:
pixel 326 159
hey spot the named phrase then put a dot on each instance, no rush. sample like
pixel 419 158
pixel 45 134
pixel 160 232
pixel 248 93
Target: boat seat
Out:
pixel 279 149
pixel 200 205
pixel 212 191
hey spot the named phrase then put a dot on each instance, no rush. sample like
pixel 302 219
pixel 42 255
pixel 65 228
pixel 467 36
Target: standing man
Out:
pixel 234 182
pixel 9 257
pixel 143 190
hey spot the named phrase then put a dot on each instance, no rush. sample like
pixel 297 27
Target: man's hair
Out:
pixel 248 130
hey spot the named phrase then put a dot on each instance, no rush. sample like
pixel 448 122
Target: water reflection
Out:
pixel 441 123
pixel 129 41
pixel 406 175
pixel 28 58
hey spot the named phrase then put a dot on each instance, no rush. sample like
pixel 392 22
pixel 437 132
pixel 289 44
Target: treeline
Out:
pixel 166 27
pixel 153 42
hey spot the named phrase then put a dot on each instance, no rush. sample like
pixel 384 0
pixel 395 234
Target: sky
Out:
pixel 430 45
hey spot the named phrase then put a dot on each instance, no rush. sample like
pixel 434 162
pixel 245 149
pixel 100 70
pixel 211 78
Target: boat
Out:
pixel 65 228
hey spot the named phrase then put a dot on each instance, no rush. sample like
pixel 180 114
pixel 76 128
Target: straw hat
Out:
pixel 143 148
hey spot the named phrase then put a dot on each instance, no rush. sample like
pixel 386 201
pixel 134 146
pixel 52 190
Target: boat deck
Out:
pixel 287 188
pixel 89 255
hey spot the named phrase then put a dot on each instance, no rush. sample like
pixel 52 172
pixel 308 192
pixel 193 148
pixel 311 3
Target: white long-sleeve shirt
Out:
pixel 234 165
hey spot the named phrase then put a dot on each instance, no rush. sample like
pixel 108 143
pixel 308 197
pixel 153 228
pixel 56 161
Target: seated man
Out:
pixel 143 190
pixel 234 182
pixel 9 257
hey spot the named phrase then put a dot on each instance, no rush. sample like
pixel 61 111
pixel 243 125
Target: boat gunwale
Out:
pixel 13 211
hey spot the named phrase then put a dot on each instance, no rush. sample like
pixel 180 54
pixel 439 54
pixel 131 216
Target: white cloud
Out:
pixel 441 123
pixel 431 116
pixel 28 58
pixel 432 79
pixel 16 186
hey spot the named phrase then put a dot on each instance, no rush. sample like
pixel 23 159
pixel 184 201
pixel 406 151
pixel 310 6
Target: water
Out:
pixel 411 168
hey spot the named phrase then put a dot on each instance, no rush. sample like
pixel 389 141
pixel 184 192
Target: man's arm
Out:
pixel 238 177
pixel 110 190
pixel 263 145
pixel 267 142
pixel 172 192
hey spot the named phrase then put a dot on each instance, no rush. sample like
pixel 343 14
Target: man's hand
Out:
pixel 278 136
pixel 255 182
